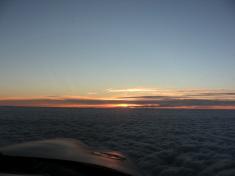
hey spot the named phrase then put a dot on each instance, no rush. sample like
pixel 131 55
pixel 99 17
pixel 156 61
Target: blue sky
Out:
pixel 56 48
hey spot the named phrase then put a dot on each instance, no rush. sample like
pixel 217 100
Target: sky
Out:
pixel 125 53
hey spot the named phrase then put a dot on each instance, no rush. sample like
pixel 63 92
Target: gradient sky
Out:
pixel 86 48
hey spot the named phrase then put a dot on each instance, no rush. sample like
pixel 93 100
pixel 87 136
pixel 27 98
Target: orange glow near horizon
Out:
pixel 99 106
pixel 110 106
pixel 133 98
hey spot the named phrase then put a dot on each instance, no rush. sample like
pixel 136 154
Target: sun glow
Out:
pixel 122 105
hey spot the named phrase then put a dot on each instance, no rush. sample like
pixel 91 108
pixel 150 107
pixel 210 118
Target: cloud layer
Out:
pixel 194 99
pixel 161 143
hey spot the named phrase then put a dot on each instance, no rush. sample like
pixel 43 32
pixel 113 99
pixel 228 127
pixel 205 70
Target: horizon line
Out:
pixel 126 107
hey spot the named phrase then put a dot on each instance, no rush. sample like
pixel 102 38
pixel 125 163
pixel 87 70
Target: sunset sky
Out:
pixel 118 53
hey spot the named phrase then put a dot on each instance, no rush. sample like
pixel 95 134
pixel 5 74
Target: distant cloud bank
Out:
pixel 149 98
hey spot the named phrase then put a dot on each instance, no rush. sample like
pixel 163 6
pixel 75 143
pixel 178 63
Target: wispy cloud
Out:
pixel 132 90
pixel 92 93
pixel 187 94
